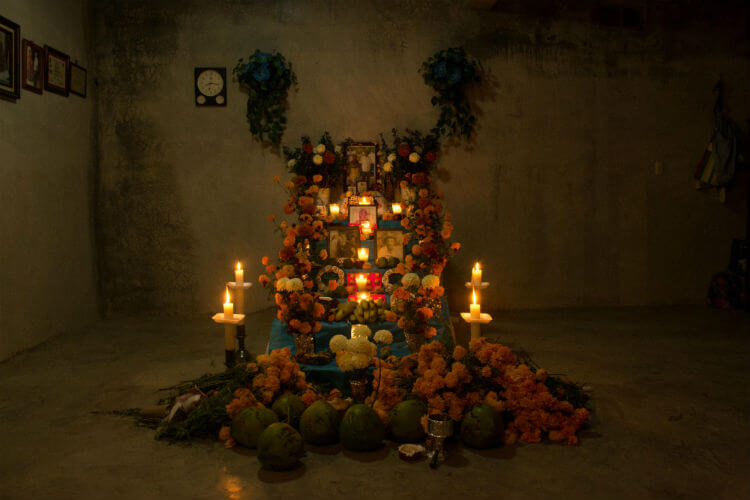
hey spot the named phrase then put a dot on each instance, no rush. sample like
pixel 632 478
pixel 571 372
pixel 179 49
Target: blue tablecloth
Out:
pixel 329 374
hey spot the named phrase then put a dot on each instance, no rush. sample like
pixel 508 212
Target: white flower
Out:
pixel 430 281
pixel 281 284
pixel 344 361
pixel 387 167
pixel 391 157
pixel 361 331
pixel 338 343
pixel 291 163
pixel 360 345
pixel 414 157
pixel 410 279
pixel 383 337
pixel 318 160
pixel 337 149
pixel 320 148
pixel 294 285
pixel 360 361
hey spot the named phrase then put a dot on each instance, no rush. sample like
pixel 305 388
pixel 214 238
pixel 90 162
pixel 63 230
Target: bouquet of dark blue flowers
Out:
pixel 448 72
pixel 267 78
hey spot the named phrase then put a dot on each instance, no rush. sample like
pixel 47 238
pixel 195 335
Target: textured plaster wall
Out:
pixel 557 194
pixel 47 258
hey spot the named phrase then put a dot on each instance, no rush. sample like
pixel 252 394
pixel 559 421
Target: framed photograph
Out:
pixel 78 82
pixel 361 161
pixel 389 243
pixel 33 66
pixel 360 213
pixel 343 243
pixel 56 71
pixel 10 79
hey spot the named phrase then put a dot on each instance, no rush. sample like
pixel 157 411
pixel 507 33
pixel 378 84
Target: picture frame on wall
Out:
pixel 32 61
pixel 389 243
pixel 78 77
pixel 360 213
pixel 56 71
pixel 343 243
pixel 10 79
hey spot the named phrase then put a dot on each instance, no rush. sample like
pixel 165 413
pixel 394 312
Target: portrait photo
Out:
pixel 9 59
pixel 343 243
pixel 32 61
pixel 360 213
pixel 389 243
pixel 360 160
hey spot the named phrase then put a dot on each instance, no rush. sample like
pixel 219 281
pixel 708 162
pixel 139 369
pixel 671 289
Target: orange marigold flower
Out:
pixel 317 178
pixel 455 246
pixel 318 310
pixel 225 433
pixel 265 261
pixel 289 207
pixel 276 178
pixel 416 250
pixel 332 285
pixel 264 280
pixel 317 327
pixel 271 268
pixel 430 332
pixel 271 218
pixel 459 352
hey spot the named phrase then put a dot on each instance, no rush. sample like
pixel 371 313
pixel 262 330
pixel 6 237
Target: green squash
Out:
pixel 361 429
pixel 405 421
pixel 280 447
pixel 250 423
pixel 289 408
pixel 319 424
pixel 482 427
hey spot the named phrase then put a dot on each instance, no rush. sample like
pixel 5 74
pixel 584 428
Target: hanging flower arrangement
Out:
pixel 449 72
pixel 267 78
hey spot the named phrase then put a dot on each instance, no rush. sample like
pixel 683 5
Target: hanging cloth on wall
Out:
pixel 716 167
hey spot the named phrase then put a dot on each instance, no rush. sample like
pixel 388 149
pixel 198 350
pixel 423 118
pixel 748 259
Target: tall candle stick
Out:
pixel 239 274
pixel 474 308
pixel 476 275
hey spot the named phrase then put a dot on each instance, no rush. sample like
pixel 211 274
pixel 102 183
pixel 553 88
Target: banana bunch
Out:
pixel 364 311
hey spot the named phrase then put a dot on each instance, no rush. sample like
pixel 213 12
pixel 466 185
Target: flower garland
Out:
pixel 267 78
pixel 448 72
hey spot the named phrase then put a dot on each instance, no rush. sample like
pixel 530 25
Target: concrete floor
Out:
pixel 671 419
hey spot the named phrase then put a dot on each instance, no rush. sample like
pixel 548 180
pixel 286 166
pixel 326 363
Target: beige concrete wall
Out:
pixel 47 265
pixel 556 194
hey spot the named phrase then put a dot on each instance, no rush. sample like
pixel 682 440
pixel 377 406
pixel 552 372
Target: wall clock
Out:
pixel 210 86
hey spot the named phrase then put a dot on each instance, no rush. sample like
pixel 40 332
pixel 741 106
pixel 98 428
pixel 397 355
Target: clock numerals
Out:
pixel 210 86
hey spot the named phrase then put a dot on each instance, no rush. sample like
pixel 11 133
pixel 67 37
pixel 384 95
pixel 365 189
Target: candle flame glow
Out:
pixel 239 266
pixel 476 266
pixel 227 295
pixel 473 296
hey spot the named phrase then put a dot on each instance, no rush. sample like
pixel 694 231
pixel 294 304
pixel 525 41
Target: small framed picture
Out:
pixel 343 243
pixel 56 71
pixel 78 82
pixel 361 160
pixel 33 66
pixel 389 243
pixel 360 213
pixel 10 80
pixel 362 187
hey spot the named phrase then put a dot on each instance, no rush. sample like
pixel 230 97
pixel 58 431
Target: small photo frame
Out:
pixel 56 71
pixel 343 243
pixel 361 160
pixel 362 187
pixel 10 80
pixel 389 243
pixel 78 77
pixel 360 213
pixel 33 66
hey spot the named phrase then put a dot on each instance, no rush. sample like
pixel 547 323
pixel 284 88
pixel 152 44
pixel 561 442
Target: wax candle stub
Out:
pixel 474 308
pixel 363 254
pixel 228 307
pixel 476 275
pixel 239 274
pixel 361 282
pixel 334 209
pixel 396 207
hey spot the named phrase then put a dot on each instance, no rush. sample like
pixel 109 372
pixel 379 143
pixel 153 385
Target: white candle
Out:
pixel 476 275
pixel 334 209
pixel 228 337
pixel 239 274
pixel 474 308
pixel 361 282
pixel 365 201
pixel 366 228
pixel 228 307
pixel 363 254
pixel 396 207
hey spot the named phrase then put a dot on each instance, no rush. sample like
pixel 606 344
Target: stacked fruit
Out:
pixel 363 312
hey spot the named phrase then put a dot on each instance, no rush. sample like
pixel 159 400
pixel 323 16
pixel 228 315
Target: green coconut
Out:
pixel 250 423
pixel 319 424
pixel 280 447
pixel 289 408
pixel 382 262
pixel 405 421
pixel 361 429
pixel 482 427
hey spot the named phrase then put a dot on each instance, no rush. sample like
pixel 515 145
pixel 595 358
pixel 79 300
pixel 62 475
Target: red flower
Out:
pixel 404 149
pixel 430 156
pixel 329 157
pixel 307 148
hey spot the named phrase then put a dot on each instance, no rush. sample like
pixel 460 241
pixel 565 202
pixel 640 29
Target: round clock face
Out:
pixel 219 99
pixel 210 83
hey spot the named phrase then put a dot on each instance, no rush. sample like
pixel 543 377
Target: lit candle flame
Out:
pixel 476 266
pixel 239 266
pixel 227 292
